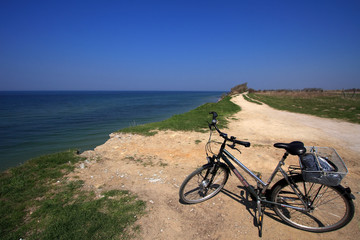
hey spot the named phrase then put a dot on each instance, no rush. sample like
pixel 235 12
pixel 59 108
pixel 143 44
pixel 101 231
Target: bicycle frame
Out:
pixel 225 155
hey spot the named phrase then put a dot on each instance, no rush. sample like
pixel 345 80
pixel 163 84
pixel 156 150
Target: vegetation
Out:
pixel 194 120
pixel 241 88
pixel 146 161
pixel 247 98
pixel 37 202
pixel 323 104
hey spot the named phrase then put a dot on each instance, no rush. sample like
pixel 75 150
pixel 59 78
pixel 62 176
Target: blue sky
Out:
pixel 179 45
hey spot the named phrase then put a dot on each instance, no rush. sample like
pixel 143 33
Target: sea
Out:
pixel 35 123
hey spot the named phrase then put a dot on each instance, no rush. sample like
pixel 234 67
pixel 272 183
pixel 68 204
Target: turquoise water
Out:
pixel 37 123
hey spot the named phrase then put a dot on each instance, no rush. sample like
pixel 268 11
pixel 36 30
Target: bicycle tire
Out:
pixel 331 206
pixel 204 183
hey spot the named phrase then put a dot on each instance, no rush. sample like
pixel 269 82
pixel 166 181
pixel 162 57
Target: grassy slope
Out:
pixel 37 202
pixel 194 120
pixel 328 106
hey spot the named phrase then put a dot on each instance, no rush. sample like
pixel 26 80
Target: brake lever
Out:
pixel 232 146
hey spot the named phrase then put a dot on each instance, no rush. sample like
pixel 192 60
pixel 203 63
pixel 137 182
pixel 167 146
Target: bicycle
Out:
pixel 307 205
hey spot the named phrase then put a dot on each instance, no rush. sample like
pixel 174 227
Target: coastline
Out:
pixel 154 167
pixel 43 122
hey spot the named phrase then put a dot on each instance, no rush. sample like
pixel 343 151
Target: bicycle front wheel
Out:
pixel 328 208
pixel 204 183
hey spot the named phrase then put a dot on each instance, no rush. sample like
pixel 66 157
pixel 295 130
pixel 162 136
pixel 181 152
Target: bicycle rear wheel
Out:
pixel 329 208
pixel 204 183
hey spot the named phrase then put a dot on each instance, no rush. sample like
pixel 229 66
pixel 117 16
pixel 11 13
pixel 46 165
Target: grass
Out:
pixel 194 120
pixel 327 105
pixel 146 161
pixel 37 202
pixel 247 98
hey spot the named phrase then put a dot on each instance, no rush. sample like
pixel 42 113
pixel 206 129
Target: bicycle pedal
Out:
pixel 242 192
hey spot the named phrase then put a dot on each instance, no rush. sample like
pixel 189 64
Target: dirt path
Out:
pixel 154 168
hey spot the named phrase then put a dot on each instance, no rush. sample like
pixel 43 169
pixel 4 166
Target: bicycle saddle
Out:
pixel 294 148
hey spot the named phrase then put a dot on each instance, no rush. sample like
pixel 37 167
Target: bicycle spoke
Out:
pixel 203 184
pixel 191 191
pixel 326 207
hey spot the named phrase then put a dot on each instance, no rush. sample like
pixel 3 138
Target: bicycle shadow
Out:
pixel 245 199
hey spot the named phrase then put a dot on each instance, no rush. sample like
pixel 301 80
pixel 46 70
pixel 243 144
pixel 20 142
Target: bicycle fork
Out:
pixel 206 183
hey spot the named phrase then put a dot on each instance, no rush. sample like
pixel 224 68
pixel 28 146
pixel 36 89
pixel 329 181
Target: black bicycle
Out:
pixel 305 198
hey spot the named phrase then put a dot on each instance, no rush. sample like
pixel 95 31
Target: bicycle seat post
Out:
pixel 286 154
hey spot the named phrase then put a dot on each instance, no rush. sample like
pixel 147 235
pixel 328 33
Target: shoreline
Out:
pixel 69 119
pixel 154 168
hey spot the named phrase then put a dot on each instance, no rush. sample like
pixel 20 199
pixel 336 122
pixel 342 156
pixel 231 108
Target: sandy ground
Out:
pixel 154 168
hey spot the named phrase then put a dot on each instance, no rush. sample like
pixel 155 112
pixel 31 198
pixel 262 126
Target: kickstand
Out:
pixel 260 216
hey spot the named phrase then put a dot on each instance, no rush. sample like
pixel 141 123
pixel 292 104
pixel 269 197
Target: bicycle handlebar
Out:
pixel 224 135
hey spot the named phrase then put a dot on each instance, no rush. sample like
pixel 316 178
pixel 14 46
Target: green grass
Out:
pixel 194 120
pixel 247 98
pixel 322 105
pixel 146 161
pixel 37 202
